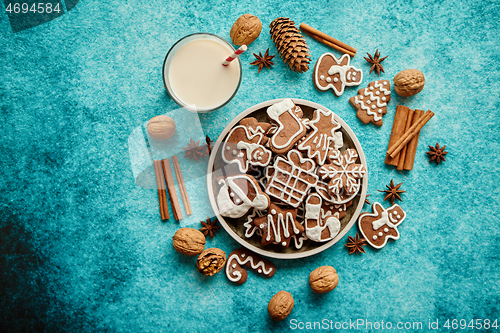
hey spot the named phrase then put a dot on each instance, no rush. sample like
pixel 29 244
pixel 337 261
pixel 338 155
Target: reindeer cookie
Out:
pixel 335 74
pixel 381 224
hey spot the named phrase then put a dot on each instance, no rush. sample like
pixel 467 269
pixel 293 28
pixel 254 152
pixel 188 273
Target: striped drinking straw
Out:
pixel 235 55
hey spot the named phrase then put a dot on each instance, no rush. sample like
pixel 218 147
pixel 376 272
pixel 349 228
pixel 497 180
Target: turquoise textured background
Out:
pixel 83 248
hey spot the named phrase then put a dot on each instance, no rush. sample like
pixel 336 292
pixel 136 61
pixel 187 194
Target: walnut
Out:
pixel 323 279
pixel 161 127
pixel 245 30
pixel 188 241
pixel 409 82
pixel 211 261
pixel 280 305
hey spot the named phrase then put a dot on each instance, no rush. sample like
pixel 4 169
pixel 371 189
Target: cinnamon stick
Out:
pixel 332 42
pixel 162 194
pixel 171 189
pixel 334 46
pixel 398 129
pixel 414 129
pixel 402 153
pixel 182 185
pixel 411 149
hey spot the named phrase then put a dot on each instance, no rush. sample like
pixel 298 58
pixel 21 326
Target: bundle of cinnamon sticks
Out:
pixel 163 174
pixel 404 136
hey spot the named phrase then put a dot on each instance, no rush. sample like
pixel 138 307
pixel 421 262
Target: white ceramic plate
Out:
pixel 235 227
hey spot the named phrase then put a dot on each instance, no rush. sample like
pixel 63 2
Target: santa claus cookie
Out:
pixel 371 102
pixel 244 146
pixel 335 74
pixel 381 224
pixel 290 128
pixel 238 194
pixel 317 143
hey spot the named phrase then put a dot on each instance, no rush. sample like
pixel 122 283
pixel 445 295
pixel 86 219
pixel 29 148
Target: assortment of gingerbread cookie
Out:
pixel 295 179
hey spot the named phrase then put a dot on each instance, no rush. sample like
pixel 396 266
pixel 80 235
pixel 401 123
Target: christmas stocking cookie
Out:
pixel 290 126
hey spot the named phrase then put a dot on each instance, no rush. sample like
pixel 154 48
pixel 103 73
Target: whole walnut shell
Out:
pixel 409 82
pixel 161 127
pixel 280 305
pixel 188 241
pixel 211 261
pixel 323 279
pixel 245 30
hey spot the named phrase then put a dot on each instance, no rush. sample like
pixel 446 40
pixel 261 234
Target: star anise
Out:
pixel 366 200
pixel 355 244
pixel 376 62
pixel 263 60
pixel 193 150
pixel 393 192
pixel 437 153
pixel 209 227
pixel 209 144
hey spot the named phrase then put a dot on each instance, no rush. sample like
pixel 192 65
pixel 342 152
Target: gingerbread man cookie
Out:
pixel 245 148
pixel 371 102
pixel 335 74
pixel 292 178
pixel 343 173
pixel 288 117
pixel 319 228
pixel 238 194
pixel 381 224
pixel 279 225
pixel 317 143
pixel 243 257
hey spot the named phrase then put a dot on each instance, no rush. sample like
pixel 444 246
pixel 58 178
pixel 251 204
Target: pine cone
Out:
pixel 291 44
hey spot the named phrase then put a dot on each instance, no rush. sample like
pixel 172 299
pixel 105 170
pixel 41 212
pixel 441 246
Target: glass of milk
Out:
pixel 194 76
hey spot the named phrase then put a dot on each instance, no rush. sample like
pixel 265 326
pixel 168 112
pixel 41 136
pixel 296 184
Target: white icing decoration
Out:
pixel 241 155
pixel 328 79
pixel 313 213
pixel 322 77
pixel 388 218
pixel 235 276
pixel 234 265
pixel 281 183
pixel 274 112
pixel 226 205
pixel 342 71
pixel 379 101
pixel 282 223
pixel 273 211
pixel 322 140
pixel 380 234
pixel 374 236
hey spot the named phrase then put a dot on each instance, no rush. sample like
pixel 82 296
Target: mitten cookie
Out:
pixel 317 143
pixel 371 102
pixel 288 117
pixel 238 194
pixel 381 224
pixel 335 74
